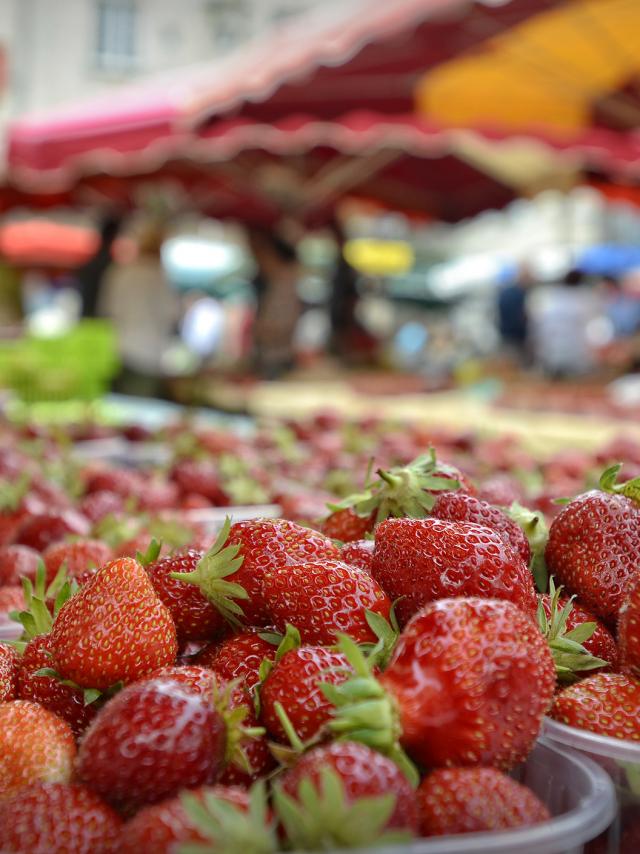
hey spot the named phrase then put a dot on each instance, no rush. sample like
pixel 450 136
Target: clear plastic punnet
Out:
pixel 621 760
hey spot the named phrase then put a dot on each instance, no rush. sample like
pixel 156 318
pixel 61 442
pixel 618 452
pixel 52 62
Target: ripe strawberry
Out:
pixel 65 700
pixel 483 660
pixel 157 495
pixel 295 682
pixel 8 673
pixel 124 482
pixel 592 549
pixel 80 557
pixel 98 505
pixel 236 563
pixel 58 818
pixel 238 657
pixel 474 800
pixel 35 745
pixel 11 599
pixel 358 553
pixel 114 629
pixel 41 530
pixel 200 476
pixel 17 562
pixel 161 828
pixel 607 704
pixel 347 526
pixel 459 507
pixel 629 627
pixel 601 644
pixel 323 599
pixel 502 490
pixel 149 741
pixel 362 773
pixel 197 678
pixel 422 560
pixel 196 618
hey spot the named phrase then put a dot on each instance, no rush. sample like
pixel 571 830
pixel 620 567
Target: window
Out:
pixel 116 24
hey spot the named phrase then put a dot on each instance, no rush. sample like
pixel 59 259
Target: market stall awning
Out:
pixel 43 242
pixel 340 58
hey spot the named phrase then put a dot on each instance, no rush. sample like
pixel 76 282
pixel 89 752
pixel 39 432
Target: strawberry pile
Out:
pixel 370 678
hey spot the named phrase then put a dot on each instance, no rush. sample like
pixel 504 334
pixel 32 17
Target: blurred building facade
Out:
pixel 52 53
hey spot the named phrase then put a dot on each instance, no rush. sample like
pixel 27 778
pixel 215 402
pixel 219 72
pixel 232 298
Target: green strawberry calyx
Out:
pixel 227 827
pixel 36 618
pixel 365 712
pixel 569 654
pixel 209 575
pixel 386 632
pixel 237 733
pixel 536 531
pixel 323 818
pixel 284 643
pixel 12 492
pixel 630 488
pixel 402 491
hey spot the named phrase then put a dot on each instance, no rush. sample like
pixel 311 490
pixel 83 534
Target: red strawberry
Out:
pixel 39 531
pixel 474 800
pixel 459 507
pixel 160 828
pixel 17 562
pixel 149 741
pixel 8 673
pixel 607 704
pixel 629 627
pixel 238 657
pixel 98 505
pixel 158 495
pixel 422 560
pixel 502 490
pixel 295 683
pixel 346 525
pixel 257 759
pixel 114 629
pixel 11 599
pixel 79 557
pixel 592 550
pixel 468 684
pixel 358 553
pixel 601 644
pixel 35 745
pixel 66 701
pixel 362 773
pixel 196 618
pixel 200 476
pixel 323 599
pixel 58 818
pixel 124 482
pixel 197 678
pixel 241 556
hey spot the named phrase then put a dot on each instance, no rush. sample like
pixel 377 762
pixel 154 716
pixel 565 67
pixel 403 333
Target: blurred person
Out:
pixel 89 277
pixel 513 322
pixel 560 317
pixel 278 306
pixel 139 300
pixel 621 308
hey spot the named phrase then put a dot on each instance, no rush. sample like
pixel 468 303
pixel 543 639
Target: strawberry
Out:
pixel 160 828
pixel 40 530
pixel 361 776
pixel 347 526
pixel 98 505
pixel 256 759
pixel 114 629
pixel 323 599
pixel 124 482
pixel 197 678
pixel 422 560
pixel 483 660
pixel 8 673
pixel 149 741
pixel 16 562
pixel 607 704
pixel 460 507
pixel 475 800
pixel 58 818
pixel 201 477
pixel 35 745
pixel 600 644
pixel 358 553
pixel 593 547
pixel 236 563
pixel 196 618
pixel 157 495
pixel 629 627
pixel 502 490
pixel 11 599
pixel 79 557
pixel 238 657
pixel 66 701
pixel 294 683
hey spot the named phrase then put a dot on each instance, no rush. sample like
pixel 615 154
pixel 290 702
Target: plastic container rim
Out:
pixel 591 742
